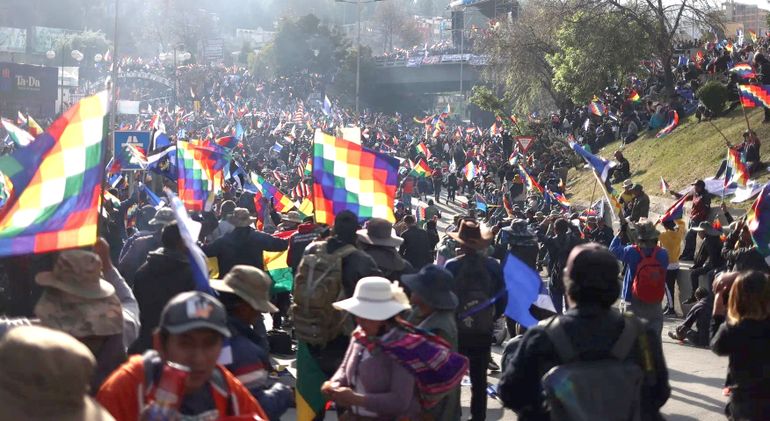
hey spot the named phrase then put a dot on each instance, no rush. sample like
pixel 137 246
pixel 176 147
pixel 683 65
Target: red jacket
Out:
pixel 123 393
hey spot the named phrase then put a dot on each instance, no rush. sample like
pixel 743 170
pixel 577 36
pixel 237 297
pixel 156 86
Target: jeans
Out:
pixel 450 193
pixel 652 312
pixel 557 296
pixel 282 300
pixel 478 356
pixel 689 241
pixel 671 275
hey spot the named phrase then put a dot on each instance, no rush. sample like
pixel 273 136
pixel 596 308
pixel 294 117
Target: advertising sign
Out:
pixel 13 40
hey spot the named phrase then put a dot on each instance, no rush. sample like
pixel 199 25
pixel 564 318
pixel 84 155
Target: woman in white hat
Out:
pixel 371 384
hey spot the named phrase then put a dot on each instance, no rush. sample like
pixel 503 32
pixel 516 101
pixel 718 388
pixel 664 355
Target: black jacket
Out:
pixel 165 274
pixel 593 331
pixel 709 254
pixel 355 266
pixel 416 247
pixel 243 246
pixel 747 346
pixel 743 258
pixel 389 262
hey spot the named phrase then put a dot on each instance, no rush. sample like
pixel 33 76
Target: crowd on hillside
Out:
pixel 372 304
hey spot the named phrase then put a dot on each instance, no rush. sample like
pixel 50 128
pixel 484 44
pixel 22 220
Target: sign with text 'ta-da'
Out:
pixel 122 138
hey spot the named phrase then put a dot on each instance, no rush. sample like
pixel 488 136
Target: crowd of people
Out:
pixel 372 304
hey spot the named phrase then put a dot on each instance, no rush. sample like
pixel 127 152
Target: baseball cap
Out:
pixel 194 310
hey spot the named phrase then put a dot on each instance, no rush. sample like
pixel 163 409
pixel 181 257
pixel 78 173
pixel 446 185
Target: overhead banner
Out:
pixel 13 40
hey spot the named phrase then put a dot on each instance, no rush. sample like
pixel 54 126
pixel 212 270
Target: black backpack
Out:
pixel 475 311
pixel 607 389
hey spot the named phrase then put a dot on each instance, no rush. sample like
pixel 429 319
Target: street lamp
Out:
pixel 50 55
pixel 358 4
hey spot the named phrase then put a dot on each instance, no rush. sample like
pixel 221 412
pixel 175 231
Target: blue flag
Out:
pixel 523 285
pixel 164 163
pixel 151 196
pixel 599 164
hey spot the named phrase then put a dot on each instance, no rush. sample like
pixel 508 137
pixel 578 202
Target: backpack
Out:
pixel 607 389
pixel 475 310
pixel 318 284
pixel 649 283
pixel 437 369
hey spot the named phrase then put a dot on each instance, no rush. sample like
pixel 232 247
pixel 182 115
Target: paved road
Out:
pixel 696 375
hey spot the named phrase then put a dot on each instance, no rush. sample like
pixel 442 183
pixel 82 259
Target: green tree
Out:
pixel 303 45
pixel 483 97
pixel 396 26
pixel 517 55
pixel 662 21
pixel 592 52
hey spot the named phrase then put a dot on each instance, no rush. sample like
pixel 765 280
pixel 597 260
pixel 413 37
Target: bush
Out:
pixel 714 96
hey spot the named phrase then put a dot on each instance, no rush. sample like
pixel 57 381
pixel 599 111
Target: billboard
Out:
pixel 13 40
pixel 44 38
pixel 28 88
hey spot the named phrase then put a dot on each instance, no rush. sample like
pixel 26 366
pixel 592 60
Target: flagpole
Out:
pixel 109 134
pixel 591 202
pixel 748 125
pixel 720 132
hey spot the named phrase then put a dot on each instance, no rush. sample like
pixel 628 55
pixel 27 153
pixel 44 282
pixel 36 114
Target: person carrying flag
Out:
pixel 699 212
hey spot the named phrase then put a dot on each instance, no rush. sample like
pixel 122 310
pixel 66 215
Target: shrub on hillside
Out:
pixel 714 96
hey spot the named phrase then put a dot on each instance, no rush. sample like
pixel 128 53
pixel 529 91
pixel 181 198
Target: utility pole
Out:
pixel 358 56
pixel 114 84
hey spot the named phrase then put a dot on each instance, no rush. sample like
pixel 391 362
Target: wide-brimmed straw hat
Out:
pixel 379 232
pixel 241 218
pixel 374 299
pixel 470 235
pixel 46 375
pixel 251 284
pixel 77 272
pixel 707 228
pixel 292 216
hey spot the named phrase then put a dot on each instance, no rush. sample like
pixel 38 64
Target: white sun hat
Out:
pixel 375 298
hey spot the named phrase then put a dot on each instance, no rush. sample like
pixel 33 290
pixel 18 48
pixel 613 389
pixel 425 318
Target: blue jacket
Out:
pixel 631 258
pixel 251 365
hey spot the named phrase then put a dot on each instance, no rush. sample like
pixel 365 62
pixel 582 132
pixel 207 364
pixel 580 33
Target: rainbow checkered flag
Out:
pixel 200 174
pixel 56 184
pixel 349 176
pixel 754 95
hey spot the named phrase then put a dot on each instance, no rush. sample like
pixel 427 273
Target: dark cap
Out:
pixel 194 310
pixel 699 183
pixel 592 266
pixel 345 226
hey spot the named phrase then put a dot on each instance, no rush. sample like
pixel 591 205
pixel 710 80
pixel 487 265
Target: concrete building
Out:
pixel 751 17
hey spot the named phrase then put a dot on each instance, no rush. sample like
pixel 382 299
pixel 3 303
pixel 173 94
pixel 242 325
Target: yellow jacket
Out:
pixel 672 242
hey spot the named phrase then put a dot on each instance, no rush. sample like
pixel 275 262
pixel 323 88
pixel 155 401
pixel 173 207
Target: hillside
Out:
pixel 694 150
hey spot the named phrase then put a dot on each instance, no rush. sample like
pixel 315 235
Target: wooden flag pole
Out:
pixel 720 132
